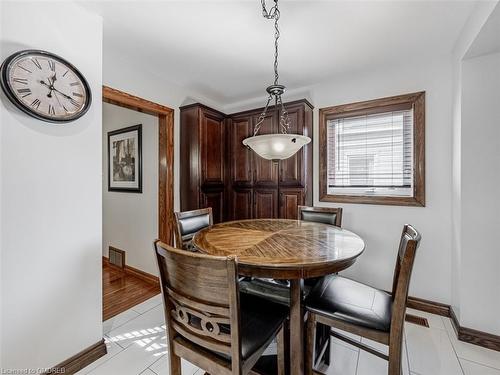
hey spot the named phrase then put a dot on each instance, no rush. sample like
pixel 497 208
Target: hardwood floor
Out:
pixel 121 291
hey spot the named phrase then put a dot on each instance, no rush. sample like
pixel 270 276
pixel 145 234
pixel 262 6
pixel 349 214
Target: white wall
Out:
pixel 130 220
pixel 469 33
pixel 480 179
pixel 50 199
pixel 119 74
pixel 380 226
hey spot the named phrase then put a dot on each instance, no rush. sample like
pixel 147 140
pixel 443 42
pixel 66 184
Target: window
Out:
pixel 373 152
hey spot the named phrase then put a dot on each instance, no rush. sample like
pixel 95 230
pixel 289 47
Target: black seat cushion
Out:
pixel 260 321
pixel 273 290
pixel 350 301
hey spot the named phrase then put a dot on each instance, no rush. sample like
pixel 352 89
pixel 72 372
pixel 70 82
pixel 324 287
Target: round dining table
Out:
pixel 284 249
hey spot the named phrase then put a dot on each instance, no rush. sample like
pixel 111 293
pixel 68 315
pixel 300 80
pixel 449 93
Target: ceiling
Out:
pixel 224 50
pixel 488 39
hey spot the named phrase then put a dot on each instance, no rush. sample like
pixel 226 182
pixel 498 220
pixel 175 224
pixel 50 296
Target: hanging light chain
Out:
pixel 284 121
pixel 262 116
pixel 273 13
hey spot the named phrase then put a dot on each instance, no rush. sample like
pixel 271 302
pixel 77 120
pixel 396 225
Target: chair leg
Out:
pixel 310 343
pixel 280 338
pixel 175 364
pixel 325 334
pixel 395 358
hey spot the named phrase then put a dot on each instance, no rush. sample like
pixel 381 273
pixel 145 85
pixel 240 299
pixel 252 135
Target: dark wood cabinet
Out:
pixel 214 199
pixel 292 169
pixel 218 171
pixel 240 158
pixel 241 205
pixel 212 148
pixel 265 204
pixel 290 199
pixel 202 155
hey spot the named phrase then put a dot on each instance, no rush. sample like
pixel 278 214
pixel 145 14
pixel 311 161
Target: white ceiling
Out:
pixel 488 39
pixel 224 50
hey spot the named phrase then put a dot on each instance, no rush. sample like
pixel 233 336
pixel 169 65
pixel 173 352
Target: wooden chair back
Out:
pixel 201 299
pixel 327 215
pixel 410 240
pixel 187 223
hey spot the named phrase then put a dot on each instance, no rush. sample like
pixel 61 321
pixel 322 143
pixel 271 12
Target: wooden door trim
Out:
pixel 165 154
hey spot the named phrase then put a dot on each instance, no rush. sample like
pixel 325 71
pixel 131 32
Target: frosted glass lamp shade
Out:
pixel 276 146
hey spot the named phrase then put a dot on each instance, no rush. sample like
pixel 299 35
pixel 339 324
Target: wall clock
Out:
pixel 45 86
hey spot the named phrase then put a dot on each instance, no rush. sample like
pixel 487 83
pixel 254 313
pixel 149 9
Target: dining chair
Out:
pixel 326 215
pixel 187 223
pixel 359 309
pixel 279 290
pixel 208 322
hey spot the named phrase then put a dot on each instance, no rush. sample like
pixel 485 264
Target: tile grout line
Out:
pixel 479 363
pixel 357 362
pixel 453 347
pixel 407 352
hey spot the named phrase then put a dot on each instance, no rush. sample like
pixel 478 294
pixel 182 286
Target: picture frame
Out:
pixel 125 159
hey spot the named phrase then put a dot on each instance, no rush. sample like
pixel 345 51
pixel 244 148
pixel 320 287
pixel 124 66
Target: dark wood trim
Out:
pixel 200 105
pixel 152 279
pixel 473 336
pixel 468 335
pixel 145 276
pixel 80 360
pixel 271 107
pixel 431 307
pixel 166 153
pixel 417 101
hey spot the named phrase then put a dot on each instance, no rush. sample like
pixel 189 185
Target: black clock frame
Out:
pixel 8 90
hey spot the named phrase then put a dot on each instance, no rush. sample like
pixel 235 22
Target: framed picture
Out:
pixel 125 159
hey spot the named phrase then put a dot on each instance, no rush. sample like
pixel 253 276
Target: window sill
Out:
pixel 380 200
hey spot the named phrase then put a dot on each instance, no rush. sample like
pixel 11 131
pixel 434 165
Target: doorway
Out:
pixel 134 280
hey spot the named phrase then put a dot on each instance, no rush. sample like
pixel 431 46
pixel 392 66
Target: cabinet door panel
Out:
pixel 212 144
pixel 290 199
pixel 266 171
pixel 241 204
pixel 291 169
pixel 214 199
pixel 265 203
pixel 241 156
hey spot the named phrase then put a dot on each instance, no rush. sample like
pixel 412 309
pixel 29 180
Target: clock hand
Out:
pixel 52 88
pixel 49 86
pixel 59 101
pixel 63 94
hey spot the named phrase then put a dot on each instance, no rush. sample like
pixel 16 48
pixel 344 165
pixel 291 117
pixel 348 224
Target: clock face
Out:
pixel 45 86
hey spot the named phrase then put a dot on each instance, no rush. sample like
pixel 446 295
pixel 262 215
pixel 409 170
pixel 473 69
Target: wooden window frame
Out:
pixel 417 101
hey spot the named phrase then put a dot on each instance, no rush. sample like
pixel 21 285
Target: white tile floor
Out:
pixel 137 346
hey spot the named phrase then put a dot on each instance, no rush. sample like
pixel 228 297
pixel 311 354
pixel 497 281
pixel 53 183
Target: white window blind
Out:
pixel 371 154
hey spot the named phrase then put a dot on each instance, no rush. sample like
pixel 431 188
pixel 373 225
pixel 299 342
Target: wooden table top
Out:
pixel 282 248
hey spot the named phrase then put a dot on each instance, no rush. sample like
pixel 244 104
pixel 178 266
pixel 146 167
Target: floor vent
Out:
pixel 418 320
pixel 116 257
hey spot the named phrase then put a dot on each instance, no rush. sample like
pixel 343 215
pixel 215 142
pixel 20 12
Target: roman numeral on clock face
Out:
pixel 36 103
pixel 52 65
pixel 24 81
pixel 37 63
pixel 74 102
pixel 51 110
pixel 77 95
pixel 24 92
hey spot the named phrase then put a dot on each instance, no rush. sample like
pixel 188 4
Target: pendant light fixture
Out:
pixel 280 145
